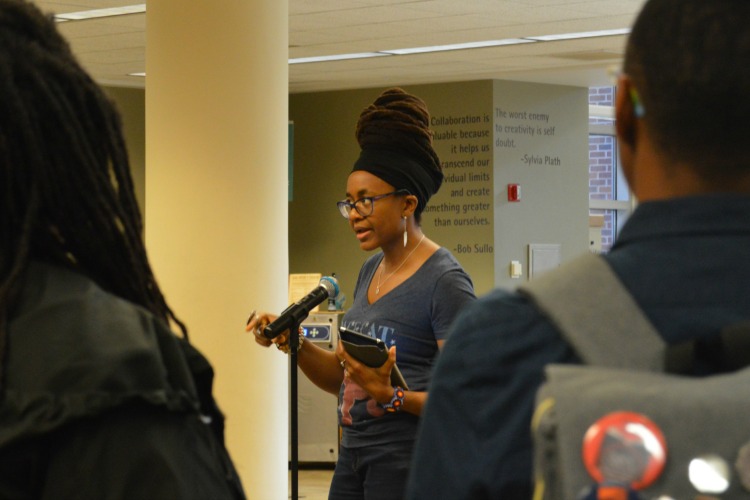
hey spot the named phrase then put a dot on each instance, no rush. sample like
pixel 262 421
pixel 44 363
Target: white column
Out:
pixel 216 204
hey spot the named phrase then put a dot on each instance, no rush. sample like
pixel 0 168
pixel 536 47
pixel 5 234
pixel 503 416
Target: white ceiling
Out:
pixel 111 48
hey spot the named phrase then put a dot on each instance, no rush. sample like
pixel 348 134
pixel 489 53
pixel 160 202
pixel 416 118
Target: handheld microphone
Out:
pixel 295 313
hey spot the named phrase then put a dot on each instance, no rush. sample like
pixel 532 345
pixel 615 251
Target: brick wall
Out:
pixel 602 165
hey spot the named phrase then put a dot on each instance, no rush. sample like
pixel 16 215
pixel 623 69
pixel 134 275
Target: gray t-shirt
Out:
pixel 413 317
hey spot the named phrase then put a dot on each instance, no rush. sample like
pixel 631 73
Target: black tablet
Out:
pixel 370 351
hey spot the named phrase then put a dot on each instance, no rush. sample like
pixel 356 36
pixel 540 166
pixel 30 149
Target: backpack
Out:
pixel 657 433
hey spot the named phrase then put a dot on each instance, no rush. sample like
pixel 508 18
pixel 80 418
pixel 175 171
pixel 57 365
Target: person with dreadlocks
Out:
pixel 406 295
pixel 98 398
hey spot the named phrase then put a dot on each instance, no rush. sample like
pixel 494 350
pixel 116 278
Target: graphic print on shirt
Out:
pixel 353 393
pixel 385 333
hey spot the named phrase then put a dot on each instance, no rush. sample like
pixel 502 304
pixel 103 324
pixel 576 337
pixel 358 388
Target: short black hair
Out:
pixel 66 193
pixel 690 63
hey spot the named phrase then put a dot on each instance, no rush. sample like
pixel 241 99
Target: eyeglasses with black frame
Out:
pixel 365 205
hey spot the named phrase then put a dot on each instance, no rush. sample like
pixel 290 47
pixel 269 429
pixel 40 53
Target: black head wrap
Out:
pixel 396 143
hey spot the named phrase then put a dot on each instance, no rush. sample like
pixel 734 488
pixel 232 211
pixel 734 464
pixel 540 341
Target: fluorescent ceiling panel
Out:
pixel 93 14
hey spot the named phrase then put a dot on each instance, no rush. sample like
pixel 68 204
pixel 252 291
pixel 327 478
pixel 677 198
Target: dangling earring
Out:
pixel 405 235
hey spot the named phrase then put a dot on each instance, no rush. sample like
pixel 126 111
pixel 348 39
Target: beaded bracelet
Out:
pixel 396 402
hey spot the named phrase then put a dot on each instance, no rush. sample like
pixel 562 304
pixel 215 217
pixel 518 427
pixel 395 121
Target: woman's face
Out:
pixel 384 226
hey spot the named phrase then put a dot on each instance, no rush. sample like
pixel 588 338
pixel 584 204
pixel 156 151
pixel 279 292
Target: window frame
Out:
pixel 623 202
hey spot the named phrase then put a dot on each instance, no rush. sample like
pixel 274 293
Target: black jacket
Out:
pixel 102 401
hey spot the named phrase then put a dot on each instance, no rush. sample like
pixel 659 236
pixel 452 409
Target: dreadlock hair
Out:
pixel 65 186
pixel 400 122
pixel 688 60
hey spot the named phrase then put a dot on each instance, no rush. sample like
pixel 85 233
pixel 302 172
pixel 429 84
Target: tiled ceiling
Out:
pixel 111 48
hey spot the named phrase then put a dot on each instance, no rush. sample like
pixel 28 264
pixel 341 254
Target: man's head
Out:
pixel 686 85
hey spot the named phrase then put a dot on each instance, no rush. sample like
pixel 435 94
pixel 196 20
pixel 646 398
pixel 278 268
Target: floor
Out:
pixel 312 484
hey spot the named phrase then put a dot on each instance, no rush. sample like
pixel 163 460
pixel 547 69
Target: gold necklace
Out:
pixel 377 287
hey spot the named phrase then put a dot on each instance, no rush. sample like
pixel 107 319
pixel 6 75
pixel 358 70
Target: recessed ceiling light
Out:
pixel 583 34
pixel 336 57
pixel 362 55
pixel 93 14
pixel 458 46
pixel 462 46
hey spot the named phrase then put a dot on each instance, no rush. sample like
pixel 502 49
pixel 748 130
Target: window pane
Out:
pixel 606 183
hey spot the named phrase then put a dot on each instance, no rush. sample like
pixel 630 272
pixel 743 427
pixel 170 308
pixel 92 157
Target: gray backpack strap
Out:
pixel 596 314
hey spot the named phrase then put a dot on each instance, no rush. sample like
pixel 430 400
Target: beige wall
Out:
pixel 547 126
pixel 324 150
pixel 554 206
